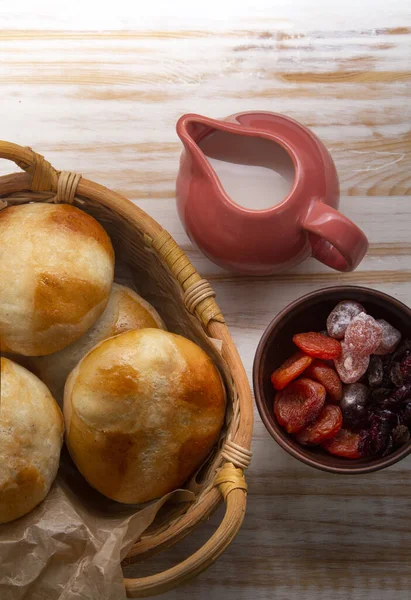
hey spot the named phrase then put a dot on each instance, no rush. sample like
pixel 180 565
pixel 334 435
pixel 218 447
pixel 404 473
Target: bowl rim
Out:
pixel 350 469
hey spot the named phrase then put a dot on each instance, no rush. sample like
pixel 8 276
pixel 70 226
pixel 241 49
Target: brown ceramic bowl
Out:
pixel 309 313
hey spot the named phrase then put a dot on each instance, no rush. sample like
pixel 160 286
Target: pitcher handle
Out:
pixel 336 241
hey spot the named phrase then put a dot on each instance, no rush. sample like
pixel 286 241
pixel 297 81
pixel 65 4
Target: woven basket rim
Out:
pixel 41 183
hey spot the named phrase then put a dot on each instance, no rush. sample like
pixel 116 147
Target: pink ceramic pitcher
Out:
pixel 266 241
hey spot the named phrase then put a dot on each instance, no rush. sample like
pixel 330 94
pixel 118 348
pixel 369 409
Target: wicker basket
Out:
pixel 162 271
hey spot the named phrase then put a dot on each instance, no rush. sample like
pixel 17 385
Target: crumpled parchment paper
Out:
pixel 70 547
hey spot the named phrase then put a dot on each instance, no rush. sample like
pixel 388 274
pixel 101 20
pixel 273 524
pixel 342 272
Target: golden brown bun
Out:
pixel 31 437
pixel 125 310
pixel 56 272
pixel 142 411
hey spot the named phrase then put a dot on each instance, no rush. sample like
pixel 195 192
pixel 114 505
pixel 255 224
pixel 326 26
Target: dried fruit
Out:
pixel 403 350
pixel 381 425
pixel 325 427
pixel 390 338
pixel 400 435
pixel 299 404
pixel 354 406
pixel 341 316
pixel 326 375
pixel 397 398
pixel 351 367
pixel 292 368
pixel 396 375
pixel 317 345
pixel 378 395
pixel 364 445
pixel 406 369
pixel 363 335
pixel 345 443
pixel 406 414
pixel 375 372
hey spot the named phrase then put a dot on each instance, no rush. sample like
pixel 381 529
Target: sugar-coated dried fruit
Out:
pixel 354 406
pixel 351 367
pixel 327 376
pixel 400 435
pixel 327 425
pixel 363 335
pixel 345 444
pixel 390 338
pixel 341 316
pixel 292 368
pixel 317 345
pixel 299 404
pixel 375 372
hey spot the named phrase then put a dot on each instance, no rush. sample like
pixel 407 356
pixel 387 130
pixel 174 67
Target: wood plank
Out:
pixel 99 91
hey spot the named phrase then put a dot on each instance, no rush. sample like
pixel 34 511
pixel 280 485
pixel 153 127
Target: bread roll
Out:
pixel 56 272
pixel 125 310
pixel 31 437
pixel 142 410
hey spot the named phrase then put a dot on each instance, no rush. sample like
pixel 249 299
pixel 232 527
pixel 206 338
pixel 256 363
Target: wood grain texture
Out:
pixel 86 86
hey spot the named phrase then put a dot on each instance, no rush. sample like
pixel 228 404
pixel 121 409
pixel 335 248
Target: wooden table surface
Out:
pixel 98 91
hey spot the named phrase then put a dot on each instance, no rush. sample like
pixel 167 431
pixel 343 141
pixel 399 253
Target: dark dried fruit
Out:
pixel 401 394
pixel 292 368
pixel 406 369
pixel 389 447
pixel 400 435
pixel 375 372
pixel 325 427
pixel 396 374
pixel 403 350
pixel 299 404
pixel 364 445
pixel 317 345
pixel 378 395
pixel 380 431
pixel 354 406
pixel 406 414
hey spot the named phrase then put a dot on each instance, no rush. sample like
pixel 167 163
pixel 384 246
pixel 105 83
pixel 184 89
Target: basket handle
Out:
pixel 231 483
pixel 44 177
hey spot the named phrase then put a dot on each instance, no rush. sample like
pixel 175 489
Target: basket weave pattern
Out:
pixel 189 305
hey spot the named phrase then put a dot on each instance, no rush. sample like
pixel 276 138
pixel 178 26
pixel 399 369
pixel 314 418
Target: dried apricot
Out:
pixel 325 427
pixel 299 404
pixel 292 368
pixel 326 375
pixel 318 345
pixel 346 444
